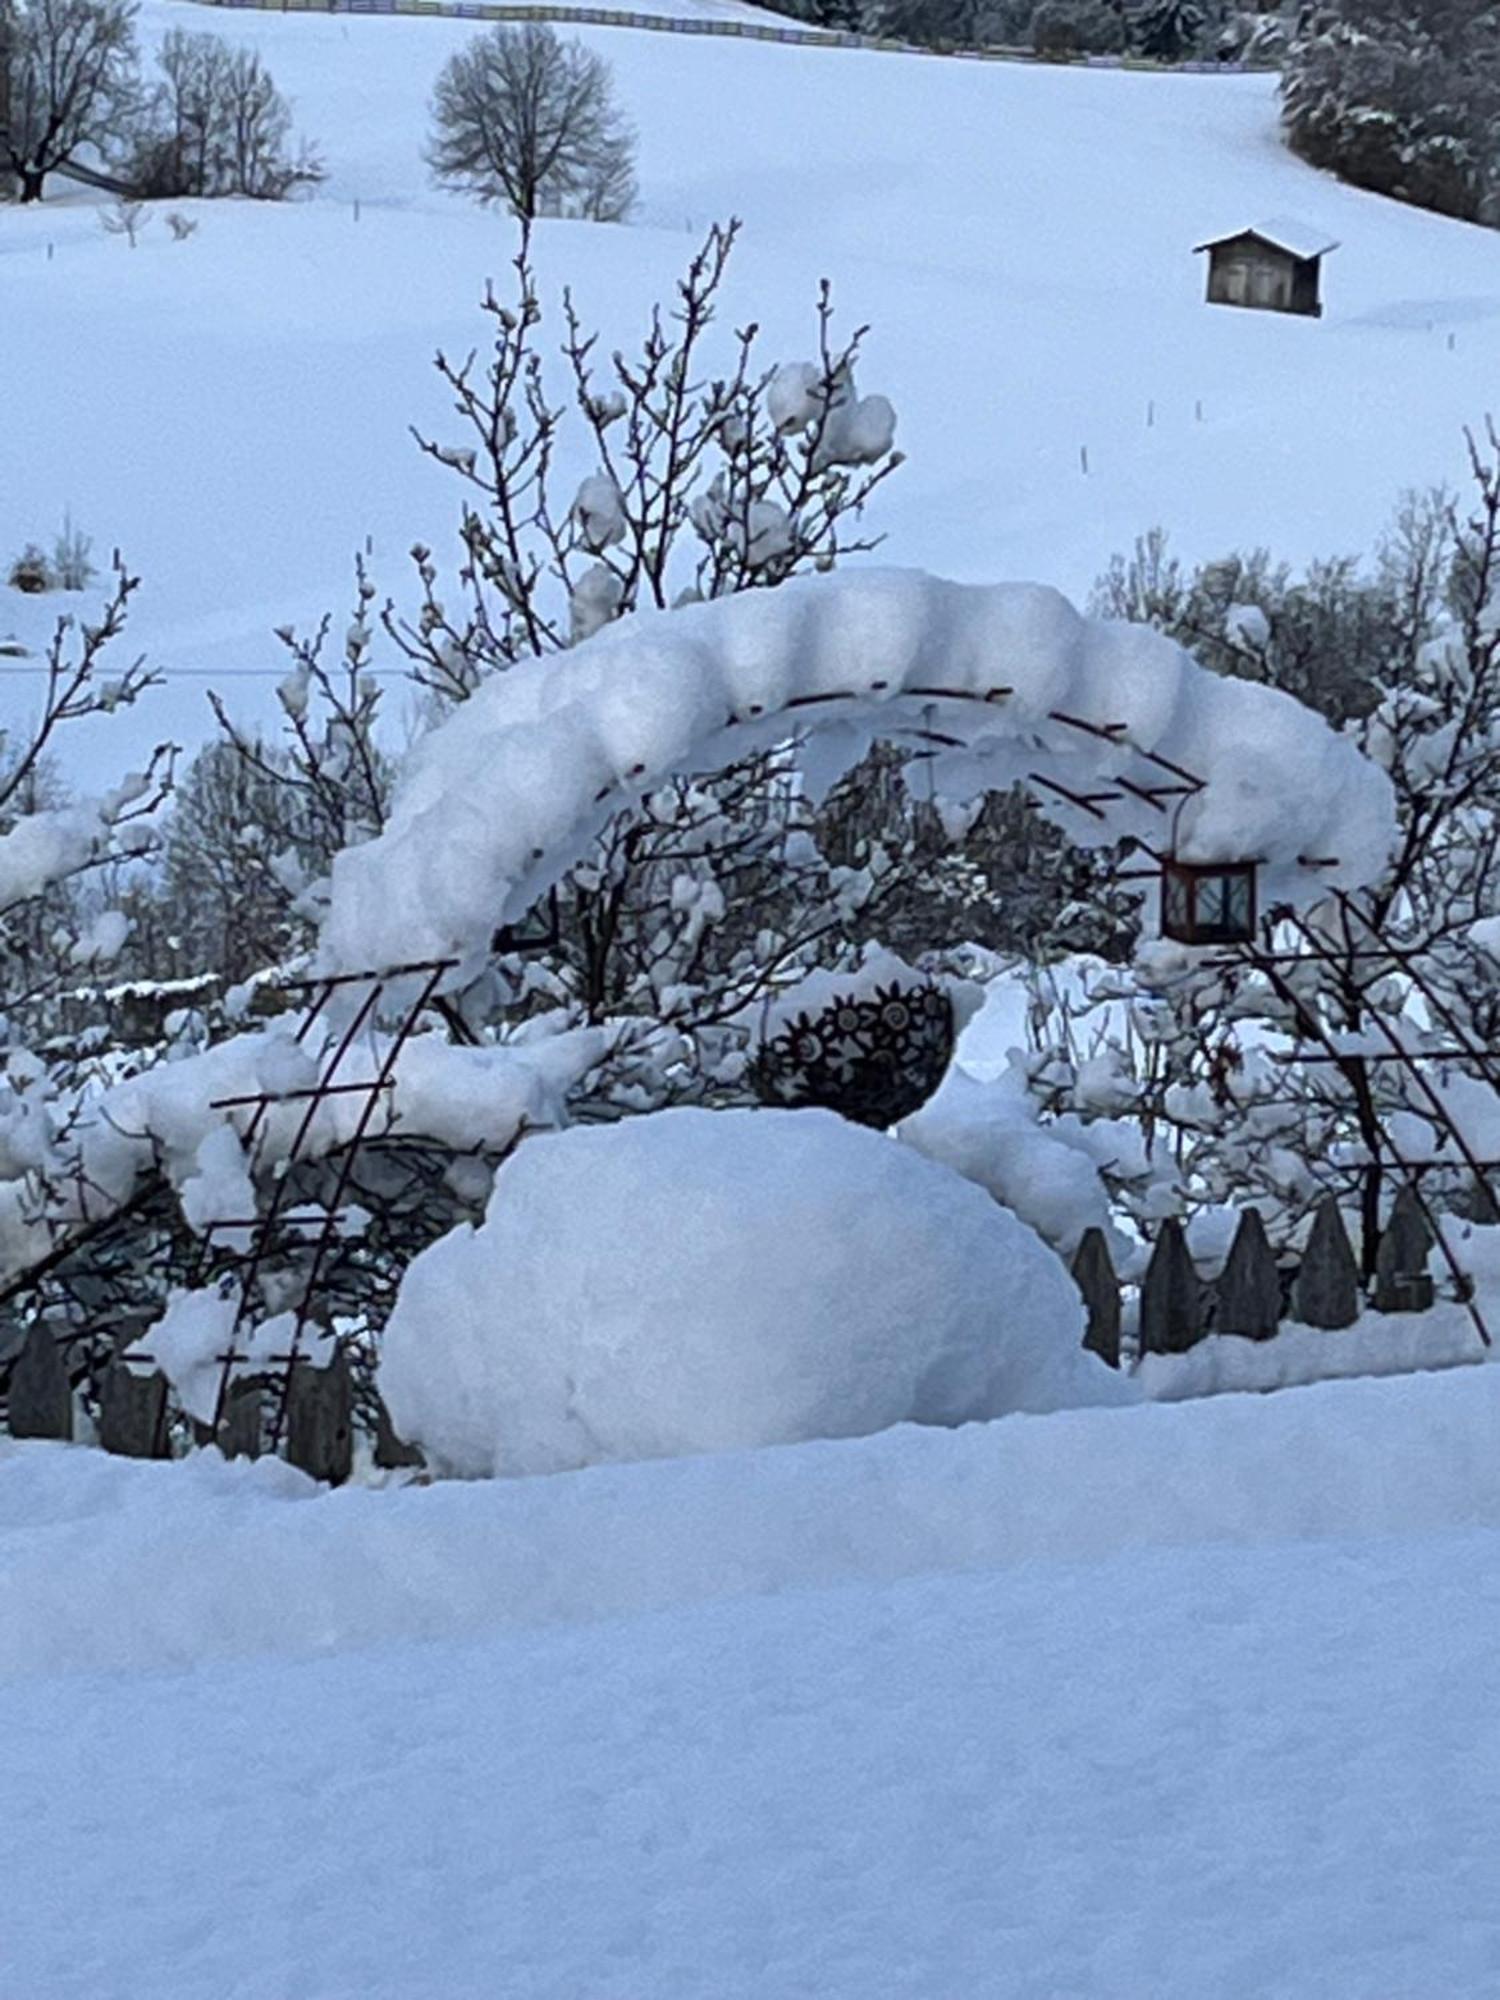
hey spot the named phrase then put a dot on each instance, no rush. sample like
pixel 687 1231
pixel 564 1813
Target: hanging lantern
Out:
pixel 1208 902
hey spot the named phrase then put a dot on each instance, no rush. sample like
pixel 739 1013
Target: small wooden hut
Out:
pixel 1274 267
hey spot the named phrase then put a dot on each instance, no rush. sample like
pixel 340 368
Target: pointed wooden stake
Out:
pixel 1171 1296
pixel 41 1397
pixel 240 1425
pixel 1402 1283
pixel 320 1420
pixel 1249 1288
pixel 1326 1293
pixel 133 1412
pixel 1094 1274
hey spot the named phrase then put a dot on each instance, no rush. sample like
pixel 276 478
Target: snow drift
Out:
pixel 704 1281
pixel 108 1563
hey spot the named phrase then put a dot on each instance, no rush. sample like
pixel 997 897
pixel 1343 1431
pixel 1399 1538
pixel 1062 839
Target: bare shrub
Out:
pixel 70 557
pixel 126 218
pixel 31 572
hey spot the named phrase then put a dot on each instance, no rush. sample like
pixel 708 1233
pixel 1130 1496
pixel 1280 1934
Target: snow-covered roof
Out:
pixel 1006 683
pixel 1284 232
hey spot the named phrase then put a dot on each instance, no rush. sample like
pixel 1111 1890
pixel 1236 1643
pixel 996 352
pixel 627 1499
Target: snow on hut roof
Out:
pixel 1299 239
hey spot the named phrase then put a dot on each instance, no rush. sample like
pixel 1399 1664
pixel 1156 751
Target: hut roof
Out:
pixel 1283 232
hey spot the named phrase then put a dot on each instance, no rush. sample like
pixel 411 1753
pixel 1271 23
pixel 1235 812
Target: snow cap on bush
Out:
pixel 709 1281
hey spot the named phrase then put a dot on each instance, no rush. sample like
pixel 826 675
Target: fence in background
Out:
pixel 750 31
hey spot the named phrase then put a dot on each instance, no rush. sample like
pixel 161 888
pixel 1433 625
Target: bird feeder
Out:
pixel 1208 902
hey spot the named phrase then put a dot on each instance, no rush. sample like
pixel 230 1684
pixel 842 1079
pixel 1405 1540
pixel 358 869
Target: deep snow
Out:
pixel 1192 1699
pixel 233 411
pixel 1151 1705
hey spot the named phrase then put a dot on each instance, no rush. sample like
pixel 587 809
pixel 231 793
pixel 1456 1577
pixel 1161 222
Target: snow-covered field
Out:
pixel 1155 1705
pixel 232 411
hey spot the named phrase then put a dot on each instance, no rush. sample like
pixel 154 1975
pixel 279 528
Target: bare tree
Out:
pixel 524 118
pixel 7 42
pixel 72 81
pixel 215 124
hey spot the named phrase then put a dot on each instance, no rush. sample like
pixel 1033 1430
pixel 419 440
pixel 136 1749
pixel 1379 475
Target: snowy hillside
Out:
pixel 232 411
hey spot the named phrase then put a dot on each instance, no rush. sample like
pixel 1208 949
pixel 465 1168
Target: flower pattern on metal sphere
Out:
pixel 874 1059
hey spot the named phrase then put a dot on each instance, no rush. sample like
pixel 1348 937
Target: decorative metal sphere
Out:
pixel 875 1058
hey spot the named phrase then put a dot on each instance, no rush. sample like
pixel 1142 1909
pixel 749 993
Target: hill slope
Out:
pixel 233 411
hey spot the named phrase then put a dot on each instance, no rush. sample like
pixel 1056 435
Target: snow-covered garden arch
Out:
pixel 998 684
pixel 1001 682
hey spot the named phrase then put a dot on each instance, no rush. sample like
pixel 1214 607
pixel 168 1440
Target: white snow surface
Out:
pixel 1119 1705
pixel 507 793
pixel 1377 1344
pixel 1288 232
pixel 694 1281
pixel 180 1113
pixel 47 847
pixel 989 1130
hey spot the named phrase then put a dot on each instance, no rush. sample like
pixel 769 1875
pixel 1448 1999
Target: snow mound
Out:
pixel 507 793
pixel 707 1281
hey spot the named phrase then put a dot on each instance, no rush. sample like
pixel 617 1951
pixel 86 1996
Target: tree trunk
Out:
pixel 7 178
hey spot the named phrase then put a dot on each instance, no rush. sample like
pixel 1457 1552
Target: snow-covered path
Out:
pixel 1158 1704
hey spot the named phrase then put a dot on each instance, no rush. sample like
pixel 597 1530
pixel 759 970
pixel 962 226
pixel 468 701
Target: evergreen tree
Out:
pixel 1401 98
pixel 1167 30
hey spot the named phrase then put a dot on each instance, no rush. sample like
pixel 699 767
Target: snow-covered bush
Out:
pixel 696 900
pixel 1077 27
pixel 1409 657
pixel 57 925
pixel 1167 30
pixel 967 24
pixel 710 1281
pixel 1331 636
pixel 706 474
